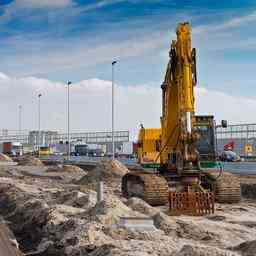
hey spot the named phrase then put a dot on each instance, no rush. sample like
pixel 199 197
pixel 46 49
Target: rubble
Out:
pixel 248 190
pixel 107 171
pixel 5 158
pixel 61 216
pixel 247 248
pixel 29 161
pixel 192 250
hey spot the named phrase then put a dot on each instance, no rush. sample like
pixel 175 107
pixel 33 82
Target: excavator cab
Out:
pixel 206 144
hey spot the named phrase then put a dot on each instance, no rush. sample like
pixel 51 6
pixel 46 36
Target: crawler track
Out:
pixel 228 189
pixel 149 186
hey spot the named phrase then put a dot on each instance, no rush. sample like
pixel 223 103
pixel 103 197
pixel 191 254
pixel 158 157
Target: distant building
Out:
pixel 46 138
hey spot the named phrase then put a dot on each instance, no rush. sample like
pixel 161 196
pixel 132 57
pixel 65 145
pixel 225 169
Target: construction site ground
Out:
pixel 54 211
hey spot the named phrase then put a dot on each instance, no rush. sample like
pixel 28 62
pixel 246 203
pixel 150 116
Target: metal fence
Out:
pixel 243 136
pixel 49 137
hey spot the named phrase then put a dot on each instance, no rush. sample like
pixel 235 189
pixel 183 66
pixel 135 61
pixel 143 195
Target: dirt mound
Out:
pixel 30 161
pixel 67 173
pixel 247 248
pixel 106 171
pixel 72 168
pixel 86 199
pixel 5 158
pixel 115 167
pixel 109 211
pixel 248 190
pixel 141 206
pixel 165 223
pixel 65 168
pixel 189 250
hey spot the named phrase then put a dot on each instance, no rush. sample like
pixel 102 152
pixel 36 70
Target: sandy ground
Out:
pixel 53 211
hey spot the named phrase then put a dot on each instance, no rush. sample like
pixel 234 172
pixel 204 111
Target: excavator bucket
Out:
pixel 191 203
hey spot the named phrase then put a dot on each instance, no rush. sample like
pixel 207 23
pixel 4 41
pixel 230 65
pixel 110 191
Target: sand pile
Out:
pixel 5 158
pixel 72 168
pixel 247 248
pixel 86 199
pixel 141 206
pixel 30 161
pixel 195 250
pixel 110 172
pixel 248 190
pixel 59 218
pixel 68 173
pixel 109 211
pixel 115 167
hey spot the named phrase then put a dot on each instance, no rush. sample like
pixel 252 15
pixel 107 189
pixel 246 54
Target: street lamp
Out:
pixel 39 122
pixel 20 109
pixel 113 130
pixel 69 146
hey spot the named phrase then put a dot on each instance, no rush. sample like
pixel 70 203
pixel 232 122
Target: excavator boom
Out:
pixel 178 136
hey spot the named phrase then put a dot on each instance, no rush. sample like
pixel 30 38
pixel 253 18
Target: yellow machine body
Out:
pixel 148 146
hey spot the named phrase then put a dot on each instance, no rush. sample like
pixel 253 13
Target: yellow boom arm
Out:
pixel 177 121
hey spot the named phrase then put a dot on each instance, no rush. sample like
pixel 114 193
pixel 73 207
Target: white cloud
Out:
pixel 99 4
pixel 39 3
pixel 59 55
pixel 228 24
pixel 25 9
pixel 91 104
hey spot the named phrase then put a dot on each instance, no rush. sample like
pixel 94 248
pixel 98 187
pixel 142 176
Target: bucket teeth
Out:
pixel 191 203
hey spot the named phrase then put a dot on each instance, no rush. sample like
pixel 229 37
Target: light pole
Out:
pixel 20 109
pixel 113 127
pixel 69 146
pixel 39 122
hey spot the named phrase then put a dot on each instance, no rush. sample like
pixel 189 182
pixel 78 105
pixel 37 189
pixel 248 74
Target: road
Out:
pixel 246 168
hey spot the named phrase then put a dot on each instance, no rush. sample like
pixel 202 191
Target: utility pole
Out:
pixel 113 127
pixel 39 123
pixel 68 117
pixel 20 109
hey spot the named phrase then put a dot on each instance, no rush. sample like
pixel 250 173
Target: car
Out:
pixel 229 156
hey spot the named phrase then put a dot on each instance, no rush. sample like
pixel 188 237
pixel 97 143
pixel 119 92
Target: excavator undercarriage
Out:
pixel 189 197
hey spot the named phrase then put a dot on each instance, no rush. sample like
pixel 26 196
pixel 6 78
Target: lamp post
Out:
pixel 68 114
pixel 39 122
pixel 113 127
pixel 20 109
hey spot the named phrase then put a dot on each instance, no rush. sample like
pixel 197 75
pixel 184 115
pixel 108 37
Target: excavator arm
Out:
pixel 178 137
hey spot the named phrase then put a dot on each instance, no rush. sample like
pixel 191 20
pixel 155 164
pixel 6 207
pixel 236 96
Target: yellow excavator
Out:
pixel 172 151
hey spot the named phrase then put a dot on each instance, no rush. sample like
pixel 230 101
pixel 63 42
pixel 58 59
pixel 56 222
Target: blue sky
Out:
pixel 76 40
pixel 49 31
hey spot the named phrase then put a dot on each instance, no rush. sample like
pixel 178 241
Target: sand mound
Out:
pixel 106 171
pixel 109 211
pixel 67 173
pixel 72 168
pixel 248 190
pixel 247 248
pixel 189 250
pixel 141 206
pixel 5 158
pixel 65 168
pixel 30 161
pixel 115 167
